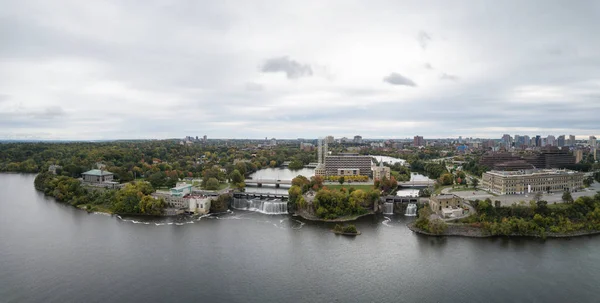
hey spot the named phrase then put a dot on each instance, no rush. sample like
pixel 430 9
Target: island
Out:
pixel 347 230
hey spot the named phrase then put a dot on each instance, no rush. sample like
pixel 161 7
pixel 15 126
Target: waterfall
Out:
pixel 388 208
pixel 268 207
pixel 411 210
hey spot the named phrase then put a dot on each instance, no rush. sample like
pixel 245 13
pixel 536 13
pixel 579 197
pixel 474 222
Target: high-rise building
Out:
pixel 518 141
pixel 571 140
pixel 358 139
pixel 551 140
pixel 459 139
pixel 592 142
pixel 561 141
pixel 526 140
pixel 506 139
pixel 418 141
pixel 538 140
pixel 578 155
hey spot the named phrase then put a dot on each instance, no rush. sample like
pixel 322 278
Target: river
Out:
pixel 52 252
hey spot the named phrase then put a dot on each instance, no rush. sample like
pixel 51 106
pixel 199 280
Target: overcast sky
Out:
pixel 288 69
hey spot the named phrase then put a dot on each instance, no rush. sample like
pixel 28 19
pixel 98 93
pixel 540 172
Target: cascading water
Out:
pixel 388 208
pixel 268 207
pixel 411 210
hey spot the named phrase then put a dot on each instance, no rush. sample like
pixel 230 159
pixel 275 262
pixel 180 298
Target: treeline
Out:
pixel 433 170
pixel 163 162
pixel 133 198
pixel 538 218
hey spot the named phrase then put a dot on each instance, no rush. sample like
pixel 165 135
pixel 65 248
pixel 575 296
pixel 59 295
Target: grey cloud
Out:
pixel 254 87
pixel 4 97
pixel 423 38
pixel 427 66
pixel 445 76
pixel 50 112
pixel 293 69
pixel 397 79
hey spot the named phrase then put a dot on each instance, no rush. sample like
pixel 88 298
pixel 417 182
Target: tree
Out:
pixel 212 184
pixel 295 165
pixel 447 179
pixel 302 182
pixel 474 182
pixel 236 177
pixel 538 196
pixel 566 197
pixel 341 180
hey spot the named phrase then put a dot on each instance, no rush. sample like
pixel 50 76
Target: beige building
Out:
pixel 380 172
pixel 538 180
pixel 578 155
pixel 446 205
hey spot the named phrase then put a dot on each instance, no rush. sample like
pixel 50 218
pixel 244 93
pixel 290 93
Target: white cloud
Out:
pixel 296 69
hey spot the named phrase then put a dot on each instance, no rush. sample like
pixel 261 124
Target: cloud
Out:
pixel 293 69
pixel 254 87
pixel 445 76
pixel 397 79
pixel 224 69
pixel 423 38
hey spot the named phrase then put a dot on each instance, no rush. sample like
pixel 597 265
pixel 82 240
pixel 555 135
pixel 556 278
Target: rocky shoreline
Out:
pixel 464 230
pixel 310 217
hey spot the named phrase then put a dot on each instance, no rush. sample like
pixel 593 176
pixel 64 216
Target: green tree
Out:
pixel 236 176
pixel 212 184
pixel 566 197
pixel 296 164
pixel 474 182
pixel 341 180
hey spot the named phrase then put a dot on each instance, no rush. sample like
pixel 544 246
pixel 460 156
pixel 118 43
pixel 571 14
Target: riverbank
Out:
pixel 465 230
pixel 310 217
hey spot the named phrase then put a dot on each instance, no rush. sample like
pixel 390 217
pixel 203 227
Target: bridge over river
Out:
pixel 277 183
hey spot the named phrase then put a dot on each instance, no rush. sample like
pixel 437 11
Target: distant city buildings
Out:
pixel 527 181
pixel 358 139
pixel 418 141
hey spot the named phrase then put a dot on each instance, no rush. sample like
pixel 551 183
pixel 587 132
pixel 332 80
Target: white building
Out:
pixel 199 204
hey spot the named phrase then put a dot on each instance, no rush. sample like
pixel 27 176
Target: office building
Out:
pixel 592 142
pixel 578 155
pixel 357 139
pixel 561 141
pixel 418 141
pixel 531 181
pixel 571 140
pixel 348 164
pixel 550 141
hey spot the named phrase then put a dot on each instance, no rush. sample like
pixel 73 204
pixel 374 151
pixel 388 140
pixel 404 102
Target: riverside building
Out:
pixel 536 180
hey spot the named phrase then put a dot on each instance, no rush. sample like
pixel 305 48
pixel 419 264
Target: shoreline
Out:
pixel 466 231
pixel 309 217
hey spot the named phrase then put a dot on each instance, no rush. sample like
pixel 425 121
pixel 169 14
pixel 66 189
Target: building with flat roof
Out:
pixel 536 180
pixel 97 176
pixel 359 165
pixel 446 205
pixel 418 141
pixel 380 172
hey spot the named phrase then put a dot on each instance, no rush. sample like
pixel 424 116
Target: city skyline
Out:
pixel 293 70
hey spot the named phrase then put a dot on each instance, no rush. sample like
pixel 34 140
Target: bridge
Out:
pixel 309 165
pixel 261 182
pixel 420 183
pixel 245 195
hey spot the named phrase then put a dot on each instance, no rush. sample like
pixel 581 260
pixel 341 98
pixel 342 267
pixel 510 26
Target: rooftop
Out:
pixel 97 172
pixel 531 172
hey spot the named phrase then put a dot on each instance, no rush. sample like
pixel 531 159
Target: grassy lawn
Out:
pixel 365 187
pixel 439 189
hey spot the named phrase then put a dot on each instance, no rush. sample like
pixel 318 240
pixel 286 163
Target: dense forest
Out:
pixel 161 162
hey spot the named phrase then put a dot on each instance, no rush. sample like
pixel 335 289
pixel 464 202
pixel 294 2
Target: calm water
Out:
pixel 50 252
